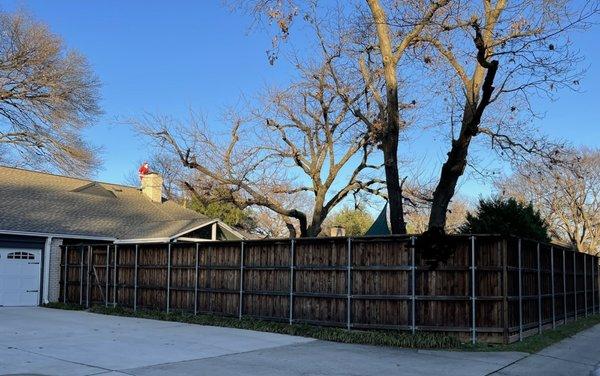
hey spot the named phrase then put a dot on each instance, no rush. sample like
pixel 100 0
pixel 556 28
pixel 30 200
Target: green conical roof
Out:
pixel 380 226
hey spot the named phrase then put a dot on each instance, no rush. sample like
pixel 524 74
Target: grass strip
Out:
pixel 538 342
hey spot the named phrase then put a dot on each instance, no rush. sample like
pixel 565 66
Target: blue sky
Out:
pixel 158 58
pixel 165 57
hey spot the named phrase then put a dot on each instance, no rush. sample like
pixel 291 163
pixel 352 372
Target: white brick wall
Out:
pixel 54 273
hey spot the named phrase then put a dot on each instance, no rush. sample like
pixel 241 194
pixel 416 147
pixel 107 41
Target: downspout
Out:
pixel 46 271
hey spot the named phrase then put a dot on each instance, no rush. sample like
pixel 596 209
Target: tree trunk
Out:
pixel 455 165
pixel 452 170
pixel 303 227
pixel 389 136
pixel 389 147
pixel 319 215
pixel 291 229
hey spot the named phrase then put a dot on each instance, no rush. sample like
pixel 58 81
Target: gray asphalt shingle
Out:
pixel 39 202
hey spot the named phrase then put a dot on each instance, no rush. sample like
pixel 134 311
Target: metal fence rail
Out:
pixel 492 288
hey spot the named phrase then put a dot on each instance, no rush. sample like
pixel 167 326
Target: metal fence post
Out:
pixel 520 295
pixel 65 273
pixel 597 284
pixel 169 277
pixel 196 282
pixel 585 284
pixel 539 288
pixel 575 283
pixel 505 296
pixel 135 279
pixel 107 274
pixel 292 255
pixel 241 279
pixel 81 276
pixel 88 287
pixel 473 294
pixel 115 279
pixel 564 273
pixel 349 283
pixel 413 325
pixel 553 297
pixel 593 285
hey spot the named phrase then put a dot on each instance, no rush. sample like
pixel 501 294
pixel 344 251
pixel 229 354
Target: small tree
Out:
pixel 356 222
pixel 506 217
pixel 215 206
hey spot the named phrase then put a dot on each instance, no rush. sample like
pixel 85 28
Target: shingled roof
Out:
pixel 35 202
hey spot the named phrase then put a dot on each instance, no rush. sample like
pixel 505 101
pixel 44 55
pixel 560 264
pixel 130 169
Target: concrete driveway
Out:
pixel 55 342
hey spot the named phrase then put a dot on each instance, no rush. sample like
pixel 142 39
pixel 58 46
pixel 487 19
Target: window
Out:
pixel 21 256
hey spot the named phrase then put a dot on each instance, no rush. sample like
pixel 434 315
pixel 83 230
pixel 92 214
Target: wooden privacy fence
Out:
pixel 492 288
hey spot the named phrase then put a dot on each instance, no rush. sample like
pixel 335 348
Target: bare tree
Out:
pixel 417 216
pixel 499 54
pixel 567 195
pixel 304 144
pixel 490 57
pixel 385 32
pixel 48 95
pixel 391 49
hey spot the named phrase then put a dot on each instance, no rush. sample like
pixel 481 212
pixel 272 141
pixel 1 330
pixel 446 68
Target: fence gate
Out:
pixel 85 274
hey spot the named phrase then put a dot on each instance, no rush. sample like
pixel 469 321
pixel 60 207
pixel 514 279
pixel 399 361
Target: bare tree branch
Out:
pixel 48 95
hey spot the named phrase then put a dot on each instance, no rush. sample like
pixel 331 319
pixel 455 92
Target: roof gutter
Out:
pixel 51 235
pixel 195 240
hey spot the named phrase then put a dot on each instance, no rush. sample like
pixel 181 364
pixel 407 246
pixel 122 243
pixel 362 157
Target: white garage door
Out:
pixel 20 271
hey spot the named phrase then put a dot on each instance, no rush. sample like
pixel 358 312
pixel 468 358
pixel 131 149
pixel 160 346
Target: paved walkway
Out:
pixel 55 342
pixel 577 355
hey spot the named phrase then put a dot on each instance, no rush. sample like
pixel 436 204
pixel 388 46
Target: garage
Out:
pixel 20 277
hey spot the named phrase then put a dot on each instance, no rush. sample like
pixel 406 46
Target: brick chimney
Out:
pixel 337 231
pixel 152 186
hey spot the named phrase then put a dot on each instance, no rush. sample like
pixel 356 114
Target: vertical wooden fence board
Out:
pixel 324 281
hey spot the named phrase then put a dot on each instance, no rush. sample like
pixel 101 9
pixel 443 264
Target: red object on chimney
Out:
pixel 144 170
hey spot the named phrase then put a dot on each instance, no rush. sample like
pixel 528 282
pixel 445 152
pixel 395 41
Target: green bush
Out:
pixel 506 217
pixel 356 222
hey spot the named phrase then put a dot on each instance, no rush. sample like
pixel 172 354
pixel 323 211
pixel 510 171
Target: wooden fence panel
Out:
pixel 545 283
pixel 559 288
pixel 266 280
pixel 320 281
pixel 380 284
pixel 491 288
pixel 489 283
pixel 99 277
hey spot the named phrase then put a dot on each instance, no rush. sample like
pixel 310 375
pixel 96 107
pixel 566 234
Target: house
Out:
pixel 39 212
